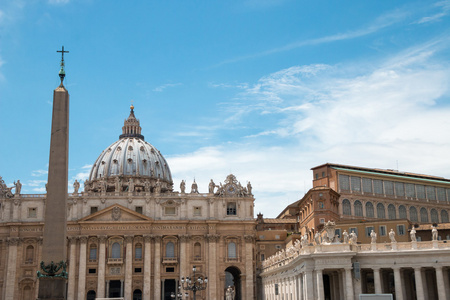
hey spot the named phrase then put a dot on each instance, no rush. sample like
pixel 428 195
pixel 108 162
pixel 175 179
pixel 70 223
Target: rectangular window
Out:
pixel 401 229
pixel 261 237
pixel 170 270
pixel 399 189
pixel 344 182
pixel 323 174
pixel 440 194
pixel 431 193
pixel 93 253
pixel 388 187
pixel 448 195
pixel 94 209
pixel 382 230
pixel 409 190
pixel 420 190
pixel 356 183
pixel 137 270
pixel 92 271
pixel 353 229
pixel 338 232
pixel 367 185
pixel 317 175
pixel 138 253
pixel 138 209
pixel 32 212
pixel 322 221
pixel 277 237
pixel 369 230
pixel 378 186
pixel 262 256
pixel 277 246
pixel 170 210
pixel 231 209
pixel 197 211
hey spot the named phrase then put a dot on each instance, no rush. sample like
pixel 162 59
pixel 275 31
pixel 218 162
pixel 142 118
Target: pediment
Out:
pixel 115 213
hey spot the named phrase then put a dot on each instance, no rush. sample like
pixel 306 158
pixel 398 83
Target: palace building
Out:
pixel 131 234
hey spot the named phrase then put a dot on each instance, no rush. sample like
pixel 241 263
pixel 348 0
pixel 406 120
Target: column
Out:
pixel 300 287
pixel 128 266
pixel 349 284
pixel 440 283
pixel 212 262
pixel 295 287
pixel 10 288
pixel 341 284
pixel 183 253
pixel 147 266
pixel 377 281
pixel 398 284
pixel 101 267
pixel 309 285
pixel 249 242
pixel 107 289
pixel 157 273
pixel 419 285
pixel 82 269
pixel 319 282
pixel 72 266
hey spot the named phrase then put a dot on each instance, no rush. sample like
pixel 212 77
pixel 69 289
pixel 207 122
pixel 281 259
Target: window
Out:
pixel 423 215
pixel 197 251
pixel 369 210
pixel 413 214
pixel 137 270
pixel 346 207
pixel 369 230
pixel 338 232
pixel 170 270
pixel 378 186
pixel 261 237
pixel 231 208
pixel 409 190
pixel 388 187
pixel 94 209
pixel 381 214
pixel 391 212
pixel 401 229
pixel 317 175
pixel 29 256
pixel 420 189
pixel 138 209
pixel 431 193
pixel 277 246
pixel 399 189
pixel 344 182
pixel 92 271
pixel 367 185
pixel 444 216
pixel 262 256
pixel 356 183
pixel 32 212
pixel 197 211
pixel 170 249
pixel 382 230
pixel 277 237
pixel 170 210
pixel 434 216
pixel 115 250
pixel 323 174
pixel 232 250
pixel 441 194
pixel 93 252
pixel 322 221
pixel 402 212
pixel 353 229
pixel 358 208
pixel 138 251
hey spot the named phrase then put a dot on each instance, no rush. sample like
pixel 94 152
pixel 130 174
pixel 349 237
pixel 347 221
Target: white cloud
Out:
pixel 37 173
pixel 58 2
pixel 444 10
pixel 165 86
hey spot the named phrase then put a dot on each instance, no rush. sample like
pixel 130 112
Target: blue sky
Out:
pixel 263 89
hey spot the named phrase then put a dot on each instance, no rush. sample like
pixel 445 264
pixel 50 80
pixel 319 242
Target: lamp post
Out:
pixel 194 283
pixel 179 295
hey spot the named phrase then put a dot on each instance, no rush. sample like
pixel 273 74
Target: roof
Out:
pixel 439 226
pixel 280 221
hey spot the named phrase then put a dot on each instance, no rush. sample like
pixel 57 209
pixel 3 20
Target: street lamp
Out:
pixel 179 294
pixel 193 283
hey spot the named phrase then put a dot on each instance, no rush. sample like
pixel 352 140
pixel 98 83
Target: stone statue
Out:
pixel 413 235
pixel 304 240
pixel 117 186
pixel 130 185
pixel 158 186
pixel 212 186
pixel 220 189
pixel 434 234
pixel 392 236
pixel 353 238
pixel 249 188
pixel 103 185
pixel 194 188
pixel 345 235
pixel 317 238
pixel 230 293
pixel 18 187
pixel 373 237
pixel 183 186
pixel 5 191
pixel 76 186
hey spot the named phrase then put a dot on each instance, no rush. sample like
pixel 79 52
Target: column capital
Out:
pixel 13 241
pixel 249 238
pixel 212 237
pixel 157 238
pixel 102 238
pixel 128 239
pixel 184 237
pixel 83 239
pixel 72 240
pixel 148 238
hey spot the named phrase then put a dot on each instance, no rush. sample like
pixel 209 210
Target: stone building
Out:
pixel 131 234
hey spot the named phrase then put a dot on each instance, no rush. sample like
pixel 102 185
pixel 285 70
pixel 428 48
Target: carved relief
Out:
pixel 116 213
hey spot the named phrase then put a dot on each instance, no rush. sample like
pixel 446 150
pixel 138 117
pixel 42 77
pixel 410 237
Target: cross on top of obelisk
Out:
pixel 62 72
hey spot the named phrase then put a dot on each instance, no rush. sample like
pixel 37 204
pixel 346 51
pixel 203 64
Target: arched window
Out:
pixel 402 212
pixel 115 250
pixel 93 251
pixel 137 295
pixel 391 212
pixel 346 207
pixel 381 213
pixel 90 295
pixel 423 215
pixel 29 254
pixel 444 216
pixel 27 293
pixel 434 216
pixel 232 250
pixel 197 250
pixel 138 251
pixel 358 208
pixel 170 249
pixel 413 214
pixel 369 210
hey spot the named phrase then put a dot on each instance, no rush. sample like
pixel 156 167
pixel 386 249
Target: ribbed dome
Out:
pixel 130 164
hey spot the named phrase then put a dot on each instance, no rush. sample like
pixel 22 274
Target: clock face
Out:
pixel 231 189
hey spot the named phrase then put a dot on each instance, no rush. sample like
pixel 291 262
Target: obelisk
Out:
pixel 52 274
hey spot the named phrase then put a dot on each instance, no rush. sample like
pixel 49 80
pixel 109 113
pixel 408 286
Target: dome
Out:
pixel 130 162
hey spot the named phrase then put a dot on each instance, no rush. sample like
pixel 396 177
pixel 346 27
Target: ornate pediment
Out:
pixel 115 213
pixel 233 188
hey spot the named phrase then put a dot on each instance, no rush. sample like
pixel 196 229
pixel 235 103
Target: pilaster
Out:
pixel 101 266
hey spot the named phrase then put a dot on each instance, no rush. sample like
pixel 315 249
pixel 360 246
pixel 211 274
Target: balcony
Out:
pixel 232 259
pixel 169 260
pixel 115 261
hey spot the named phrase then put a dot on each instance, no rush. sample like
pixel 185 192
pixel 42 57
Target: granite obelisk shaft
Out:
pixel 54 243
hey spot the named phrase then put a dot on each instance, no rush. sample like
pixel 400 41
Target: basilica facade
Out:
pixel 131 234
